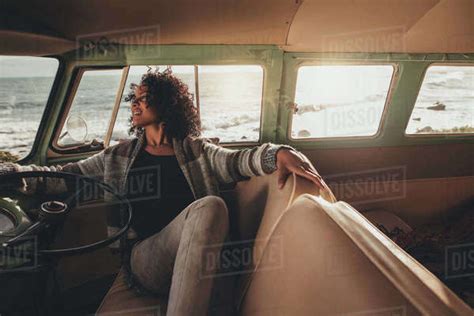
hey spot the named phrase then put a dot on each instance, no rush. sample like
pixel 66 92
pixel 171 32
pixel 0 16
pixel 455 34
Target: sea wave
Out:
pixel 226 122
pixel 21 105
pixel 449 80
pixel 447 84
pixel 7 132
pixel 376 97
pixel 305 108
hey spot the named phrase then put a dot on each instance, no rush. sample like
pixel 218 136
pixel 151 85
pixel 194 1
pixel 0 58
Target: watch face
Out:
pixel 269 159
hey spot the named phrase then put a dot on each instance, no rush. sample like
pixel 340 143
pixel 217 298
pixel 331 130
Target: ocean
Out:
pixel 229 105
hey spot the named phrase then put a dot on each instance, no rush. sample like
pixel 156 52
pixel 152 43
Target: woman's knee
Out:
pixel 212 211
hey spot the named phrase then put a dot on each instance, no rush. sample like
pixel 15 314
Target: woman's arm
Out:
pixel 292 161
pixel 92 166
pixel 236 165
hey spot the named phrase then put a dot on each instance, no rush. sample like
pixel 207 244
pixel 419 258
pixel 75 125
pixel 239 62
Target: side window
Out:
pixel 89 116
pixel 340 100
pixel 25 85
pixel 228 98
pixel 445 103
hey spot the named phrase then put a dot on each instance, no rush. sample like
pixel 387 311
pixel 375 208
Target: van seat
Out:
pixel 313 257
pixel 120 300
pixel 255 207
pixel 327 259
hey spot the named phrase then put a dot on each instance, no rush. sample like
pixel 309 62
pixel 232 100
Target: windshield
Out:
pixel 25 85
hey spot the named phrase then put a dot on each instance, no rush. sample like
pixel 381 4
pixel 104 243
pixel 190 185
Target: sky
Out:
pixel 12 66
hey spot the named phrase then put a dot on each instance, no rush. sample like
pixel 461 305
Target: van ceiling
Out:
pixel 40 27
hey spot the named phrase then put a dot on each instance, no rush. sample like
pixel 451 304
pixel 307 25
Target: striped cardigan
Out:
pixel 205 165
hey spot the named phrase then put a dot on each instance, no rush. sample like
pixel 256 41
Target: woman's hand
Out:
pixel 289 161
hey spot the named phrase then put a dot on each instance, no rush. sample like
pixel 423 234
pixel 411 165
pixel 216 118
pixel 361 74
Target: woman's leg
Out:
pixel 174 260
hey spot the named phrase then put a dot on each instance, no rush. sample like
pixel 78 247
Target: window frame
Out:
pixel 434 135
pixel 403 95
pixel 199 106
pixel 77 77
pixel 66 108
pixel 378 133
pixel 269 57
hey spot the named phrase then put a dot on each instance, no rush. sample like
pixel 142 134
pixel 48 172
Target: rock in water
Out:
pixel 438 106
pixel 304 133
pixel 426 129
pixel 5 156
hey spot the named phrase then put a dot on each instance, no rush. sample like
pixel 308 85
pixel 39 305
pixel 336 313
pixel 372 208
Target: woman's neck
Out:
pixel 155 135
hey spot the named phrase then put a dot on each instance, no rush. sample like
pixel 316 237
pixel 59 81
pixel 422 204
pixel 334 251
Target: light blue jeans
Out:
pixel 175 261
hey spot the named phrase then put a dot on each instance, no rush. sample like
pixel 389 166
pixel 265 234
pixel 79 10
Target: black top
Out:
pixel 158 192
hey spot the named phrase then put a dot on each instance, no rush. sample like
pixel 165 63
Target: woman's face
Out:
pixel 141 114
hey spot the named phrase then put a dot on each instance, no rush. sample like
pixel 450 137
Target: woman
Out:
pixel 184 214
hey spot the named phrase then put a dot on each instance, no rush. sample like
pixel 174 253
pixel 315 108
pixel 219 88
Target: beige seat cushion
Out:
pixel 120 300
pixel 327 259
pixel 310 267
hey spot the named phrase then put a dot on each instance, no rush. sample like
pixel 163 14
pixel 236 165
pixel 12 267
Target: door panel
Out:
pixel 417 182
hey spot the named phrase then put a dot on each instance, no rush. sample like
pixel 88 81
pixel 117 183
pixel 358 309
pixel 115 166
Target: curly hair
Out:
pixel 173 102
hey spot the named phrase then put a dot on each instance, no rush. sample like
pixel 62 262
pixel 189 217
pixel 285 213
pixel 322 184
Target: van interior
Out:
pixel 378 94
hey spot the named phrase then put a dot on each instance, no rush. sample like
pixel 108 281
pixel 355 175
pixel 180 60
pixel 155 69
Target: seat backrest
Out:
pixel 326 258
pixel 256 204
pixel 255 208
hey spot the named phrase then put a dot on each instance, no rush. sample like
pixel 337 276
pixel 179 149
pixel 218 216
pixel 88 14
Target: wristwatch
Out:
pixel 269 157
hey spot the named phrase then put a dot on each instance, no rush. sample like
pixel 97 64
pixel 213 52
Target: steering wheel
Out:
pixel 51 213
